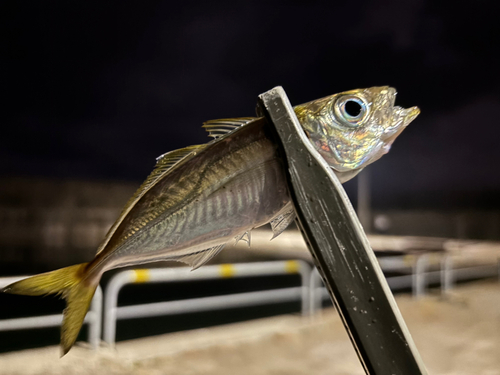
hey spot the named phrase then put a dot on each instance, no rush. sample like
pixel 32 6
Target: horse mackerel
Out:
pixel 201 197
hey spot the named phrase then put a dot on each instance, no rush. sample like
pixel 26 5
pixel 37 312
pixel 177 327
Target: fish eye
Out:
pixel 351 110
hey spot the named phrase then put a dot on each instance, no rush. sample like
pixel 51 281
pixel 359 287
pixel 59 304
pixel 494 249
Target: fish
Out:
pixel 201 197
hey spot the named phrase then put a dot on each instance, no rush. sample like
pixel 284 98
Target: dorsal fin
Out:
pixel 217 128
pixel 164 163
pixel 167 160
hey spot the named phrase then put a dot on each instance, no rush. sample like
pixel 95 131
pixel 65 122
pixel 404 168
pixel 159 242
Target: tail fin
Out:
pixel 69 283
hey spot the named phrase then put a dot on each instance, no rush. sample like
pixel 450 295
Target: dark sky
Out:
pixel 97 90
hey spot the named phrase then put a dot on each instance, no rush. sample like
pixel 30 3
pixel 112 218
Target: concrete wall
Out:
pixel 484 225
pixel 45 224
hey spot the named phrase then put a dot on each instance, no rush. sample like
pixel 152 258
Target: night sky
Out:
pixel 97 90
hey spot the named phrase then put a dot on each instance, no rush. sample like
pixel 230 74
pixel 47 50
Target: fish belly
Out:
pixel 248 200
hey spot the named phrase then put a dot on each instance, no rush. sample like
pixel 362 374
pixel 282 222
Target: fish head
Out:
pixel 354 128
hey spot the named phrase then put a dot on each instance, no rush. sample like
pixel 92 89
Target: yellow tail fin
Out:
pixel 70 284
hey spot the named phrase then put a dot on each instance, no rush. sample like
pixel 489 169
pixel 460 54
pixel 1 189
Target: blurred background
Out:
pixel 92 92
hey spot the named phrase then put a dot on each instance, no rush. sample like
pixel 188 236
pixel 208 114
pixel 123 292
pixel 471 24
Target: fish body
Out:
pixel 199 198
pixel 214 196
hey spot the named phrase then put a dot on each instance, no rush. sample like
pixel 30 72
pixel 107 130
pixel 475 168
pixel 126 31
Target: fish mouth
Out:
pixel 401 118
pixel 410 114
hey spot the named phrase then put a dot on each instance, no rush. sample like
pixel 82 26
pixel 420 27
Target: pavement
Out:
pixel 456 334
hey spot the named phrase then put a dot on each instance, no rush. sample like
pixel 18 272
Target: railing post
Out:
pixel 111 304
pixel 305 277
pixel 446 273
pixel 419 277
pixel 498 269
pixel 316 300
pixel 95 319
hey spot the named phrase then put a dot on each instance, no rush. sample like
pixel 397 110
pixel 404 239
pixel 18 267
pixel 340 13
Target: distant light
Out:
pixel 382 223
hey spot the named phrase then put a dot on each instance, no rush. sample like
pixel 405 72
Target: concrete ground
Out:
pixel 456 335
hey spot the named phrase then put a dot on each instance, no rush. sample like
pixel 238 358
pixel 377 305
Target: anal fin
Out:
pixel 245 237
pixel 199 258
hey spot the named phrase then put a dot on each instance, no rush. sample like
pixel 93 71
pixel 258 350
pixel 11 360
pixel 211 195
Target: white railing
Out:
pixel 419 278
pixel 311 292
pixel 93 317
pixel 112 312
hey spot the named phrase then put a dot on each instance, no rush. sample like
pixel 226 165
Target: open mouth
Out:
pixel 410 114
pixel 401 118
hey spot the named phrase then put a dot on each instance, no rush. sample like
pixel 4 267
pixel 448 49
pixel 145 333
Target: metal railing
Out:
pixel 419 278
pixel 113 312
pixel 93 317
pixel 311 291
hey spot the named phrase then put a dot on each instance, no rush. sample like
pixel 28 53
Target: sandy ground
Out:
pixel 459 334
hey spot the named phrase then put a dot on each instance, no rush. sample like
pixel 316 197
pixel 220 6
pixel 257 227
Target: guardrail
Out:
pixel 311 292
pixel 112 312
pixel 419 278
pixel 93 317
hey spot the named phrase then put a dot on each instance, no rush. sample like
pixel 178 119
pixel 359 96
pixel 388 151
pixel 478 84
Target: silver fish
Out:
pixel 201 197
